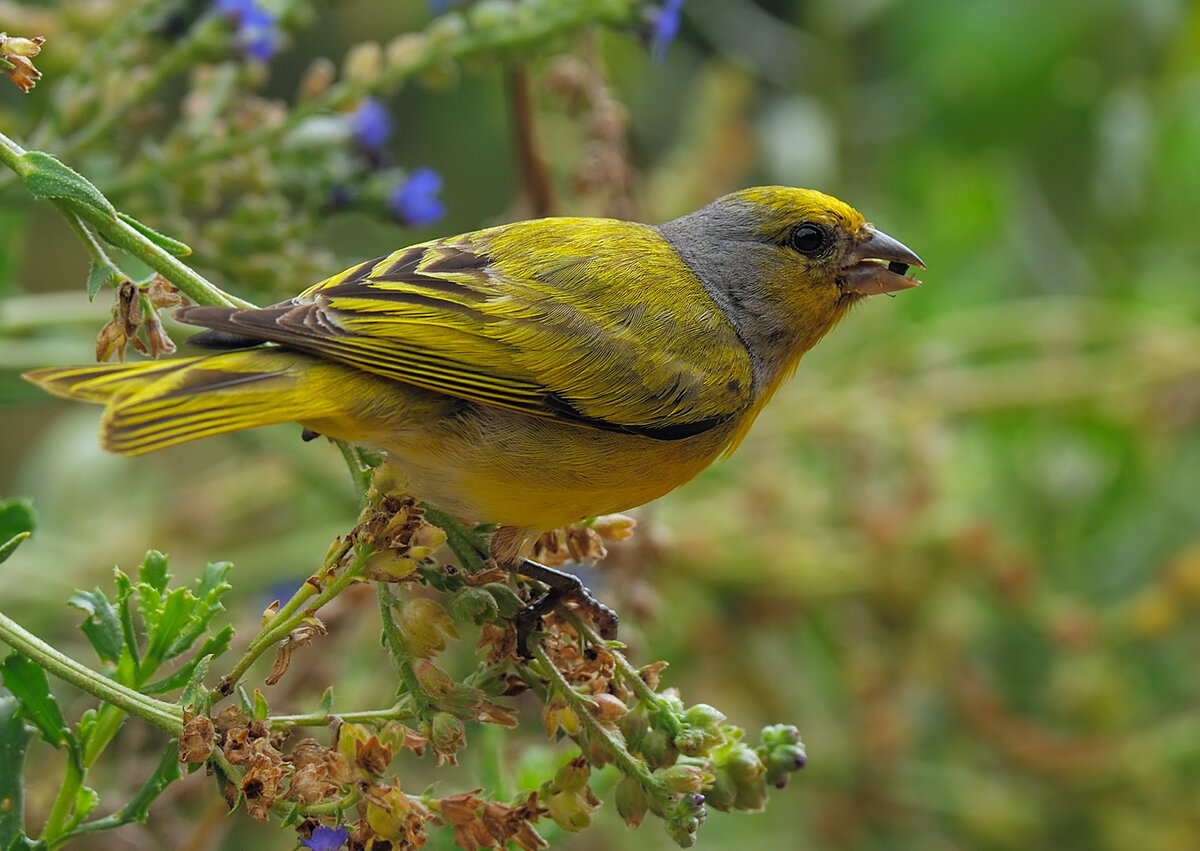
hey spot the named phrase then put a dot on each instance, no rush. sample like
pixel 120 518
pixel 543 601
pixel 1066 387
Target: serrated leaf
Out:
pixel 194 694
pixel 102 626
pixel 85 801
pixel 99 274
pixel 212 581
pixel 214 646
pixel 172 619
pixel 153 571
pixel 174 246
pixel 48 177
pixel 28 683
pixel 14 739
pixel 125 594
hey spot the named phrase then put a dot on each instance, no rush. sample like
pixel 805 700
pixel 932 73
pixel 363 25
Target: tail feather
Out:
pixel 153 405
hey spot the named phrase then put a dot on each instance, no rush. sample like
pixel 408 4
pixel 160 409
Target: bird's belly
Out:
pixel 495 466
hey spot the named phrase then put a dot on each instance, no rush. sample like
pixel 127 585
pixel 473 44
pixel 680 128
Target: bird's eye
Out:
pixel 809 239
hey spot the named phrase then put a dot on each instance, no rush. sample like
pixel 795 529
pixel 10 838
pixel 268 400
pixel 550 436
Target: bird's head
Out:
pixel 785 265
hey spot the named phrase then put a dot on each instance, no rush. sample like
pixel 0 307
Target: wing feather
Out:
pixel 594 321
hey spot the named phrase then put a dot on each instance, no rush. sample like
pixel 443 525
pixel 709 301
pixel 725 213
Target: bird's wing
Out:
pixel 594 321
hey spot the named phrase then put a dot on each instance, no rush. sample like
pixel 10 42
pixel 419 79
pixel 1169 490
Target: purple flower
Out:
pixel 415 201
pixel 372 124
pixel 326 839
pixel 257 35
pixel 436 7
pixel 664 28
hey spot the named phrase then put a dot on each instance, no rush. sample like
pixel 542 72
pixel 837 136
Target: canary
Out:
pixel 532 374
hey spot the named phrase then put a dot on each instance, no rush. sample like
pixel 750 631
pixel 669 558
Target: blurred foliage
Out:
pixel 961 549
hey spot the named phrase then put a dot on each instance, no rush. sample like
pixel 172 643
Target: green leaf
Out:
pixel 14 739
pixel 99 274
pixel 48 177
pixel 10 546
pixel 85 801
pixel 102 625
pixel 166 627
pixel 27 681
pixel 125 593
pixel 16 516
pixel 173 246
pixel 212 581
pixel 24 843
pixel 154 571
pixel 214 646
pixel 261 710
pixel 194 694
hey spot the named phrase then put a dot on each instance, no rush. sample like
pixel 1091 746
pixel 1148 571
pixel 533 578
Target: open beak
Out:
pixel 880 264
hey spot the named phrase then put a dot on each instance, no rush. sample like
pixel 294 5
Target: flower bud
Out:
pixel 702 731
pixel 608 707
pixel 634 726
pixel 658 749
pixel 448 736
pixel 475 605
pixel 425 625
pixel 433 680
pixel 685 818
pixel 631 801
pixel 683 778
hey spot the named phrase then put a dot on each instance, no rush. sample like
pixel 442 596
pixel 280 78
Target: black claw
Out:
pixel 561 588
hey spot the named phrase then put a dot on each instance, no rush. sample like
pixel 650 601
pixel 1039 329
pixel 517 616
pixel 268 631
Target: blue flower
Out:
pixel 664 28
pixel 437 7
pixel 372 124
pixel 326 839
pixel 415 201
pixel 257 35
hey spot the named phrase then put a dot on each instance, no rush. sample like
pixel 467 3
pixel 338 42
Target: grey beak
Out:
pixel 880 264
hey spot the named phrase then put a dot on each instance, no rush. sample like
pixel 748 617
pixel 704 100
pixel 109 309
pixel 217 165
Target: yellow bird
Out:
pixel 531 374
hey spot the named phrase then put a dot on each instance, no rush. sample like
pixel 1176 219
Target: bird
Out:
pixel 532 374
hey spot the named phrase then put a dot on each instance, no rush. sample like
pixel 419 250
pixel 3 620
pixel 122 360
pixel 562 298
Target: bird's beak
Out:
pixel 879 265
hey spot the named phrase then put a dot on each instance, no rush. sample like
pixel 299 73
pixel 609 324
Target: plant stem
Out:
pixel 629 765
pixel 399 709
pixel 304 604
pixel 165 716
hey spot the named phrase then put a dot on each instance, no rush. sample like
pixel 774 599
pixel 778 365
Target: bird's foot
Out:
pixel 561 587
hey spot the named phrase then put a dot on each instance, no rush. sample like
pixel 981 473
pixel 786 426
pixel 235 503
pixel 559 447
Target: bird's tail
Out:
pixel 156 404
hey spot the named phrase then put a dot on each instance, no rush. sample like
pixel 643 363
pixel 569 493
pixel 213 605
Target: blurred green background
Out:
pixel 960 550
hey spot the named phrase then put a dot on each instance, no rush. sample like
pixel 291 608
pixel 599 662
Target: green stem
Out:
pixel 402 658
pixel 304 604
pixel 628 764
pixel 124 236
pixel 467 544
pixel 629 675
pixel 398 710
pixel 195 286
pixel 108 721
pixel 165 716
pixel 64 802
pixel 360 470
